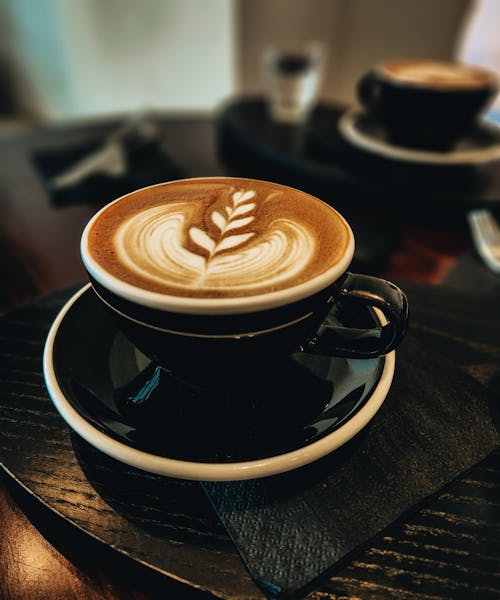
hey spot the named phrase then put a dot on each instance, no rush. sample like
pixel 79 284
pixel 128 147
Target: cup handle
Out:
pixel 351 342
pixel 366 90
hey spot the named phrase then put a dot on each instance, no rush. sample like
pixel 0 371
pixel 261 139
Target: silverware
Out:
pixel 110 158
pixel 486 236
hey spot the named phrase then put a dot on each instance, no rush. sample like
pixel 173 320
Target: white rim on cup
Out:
pixel 213 306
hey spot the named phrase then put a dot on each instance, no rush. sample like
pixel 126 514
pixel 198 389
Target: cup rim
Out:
pixel 214 306
pixel 492 83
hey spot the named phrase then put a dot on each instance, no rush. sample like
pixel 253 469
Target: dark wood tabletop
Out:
pixel 447 550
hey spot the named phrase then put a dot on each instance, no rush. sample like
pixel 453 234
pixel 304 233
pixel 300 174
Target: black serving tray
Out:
pixel 316 157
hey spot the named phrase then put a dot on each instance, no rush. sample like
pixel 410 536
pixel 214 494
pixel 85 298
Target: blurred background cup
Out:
pixel 293 74
pixel 425 103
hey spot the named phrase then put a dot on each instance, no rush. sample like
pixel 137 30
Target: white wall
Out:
pixel 357 34
pixel 479 43
pixel 85 57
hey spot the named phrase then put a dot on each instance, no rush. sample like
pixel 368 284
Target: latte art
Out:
pixel 151 244
pixel 218 240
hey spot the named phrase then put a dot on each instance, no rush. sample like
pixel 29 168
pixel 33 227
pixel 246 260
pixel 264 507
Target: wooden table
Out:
pixel 425 557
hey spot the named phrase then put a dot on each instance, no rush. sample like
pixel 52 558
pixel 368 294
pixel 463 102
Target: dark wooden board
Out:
pixel 447 548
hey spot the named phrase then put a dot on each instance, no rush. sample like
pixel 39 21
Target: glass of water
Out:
pixel 293 74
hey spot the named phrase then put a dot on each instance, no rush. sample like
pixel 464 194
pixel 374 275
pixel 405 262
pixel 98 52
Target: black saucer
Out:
pixel 142 414
pixel 479 146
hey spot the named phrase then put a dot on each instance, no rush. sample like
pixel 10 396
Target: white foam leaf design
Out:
pixel 219 220
pixel 240 197
pixel 200 238
pixel 232 241
pixel 237 223
pixel 163 244
pixel 242 210
pixel 240 207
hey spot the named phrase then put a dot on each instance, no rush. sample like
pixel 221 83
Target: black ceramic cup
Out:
pixel 426 104
pixel 226 337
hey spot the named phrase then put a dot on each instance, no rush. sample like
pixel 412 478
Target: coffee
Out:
pixel 218 238
pixel 426 104
pixel 437 74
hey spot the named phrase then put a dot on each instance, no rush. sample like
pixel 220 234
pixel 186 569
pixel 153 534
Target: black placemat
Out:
pixel 146 163
pixel 440 418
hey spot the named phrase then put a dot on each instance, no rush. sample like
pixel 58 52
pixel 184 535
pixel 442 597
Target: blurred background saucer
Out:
pixel 482 145
pixel 317 158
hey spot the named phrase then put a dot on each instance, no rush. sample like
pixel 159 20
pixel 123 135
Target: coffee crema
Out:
pixel 435 73
pixel 217 238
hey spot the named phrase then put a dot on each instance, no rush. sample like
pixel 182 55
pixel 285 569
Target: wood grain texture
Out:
pixel 33 568
pixel 169 524
pixel 170 519
pixel 435 423
pixel 449 547
pixel 446 549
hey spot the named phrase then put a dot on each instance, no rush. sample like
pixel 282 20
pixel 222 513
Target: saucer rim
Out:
pixel 192 470
pixel 347 128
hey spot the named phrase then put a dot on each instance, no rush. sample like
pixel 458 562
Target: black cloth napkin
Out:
pixel 441 416
pixel 146 163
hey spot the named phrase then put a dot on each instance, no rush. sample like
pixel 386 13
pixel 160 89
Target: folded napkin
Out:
pixel 441 417
pixel 102 169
